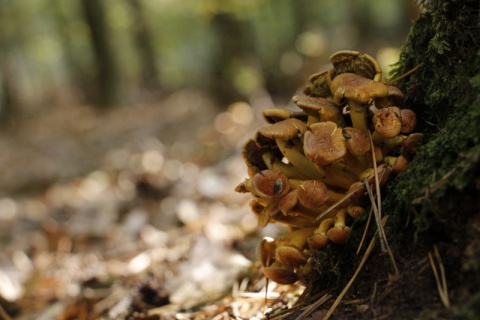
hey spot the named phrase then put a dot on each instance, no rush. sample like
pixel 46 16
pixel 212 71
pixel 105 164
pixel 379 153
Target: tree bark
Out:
pixel 108 73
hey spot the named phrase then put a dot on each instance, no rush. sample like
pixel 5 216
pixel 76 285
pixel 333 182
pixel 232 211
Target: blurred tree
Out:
pixel 233 51
pixel 108 80
pixel 144 45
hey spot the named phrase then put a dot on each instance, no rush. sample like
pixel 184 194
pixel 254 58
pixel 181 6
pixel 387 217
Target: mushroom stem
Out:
pixel 328 174
pixel 358 114
pixel 339 233
pixel 319 238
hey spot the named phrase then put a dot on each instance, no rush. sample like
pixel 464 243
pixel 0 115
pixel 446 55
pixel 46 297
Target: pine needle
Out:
pixel 441 280
pixel 365 230
pixel 377 208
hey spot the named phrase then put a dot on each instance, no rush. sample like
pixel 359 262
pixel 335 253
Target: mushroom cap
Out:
pixel 318 86
pixel 312 193
pixel 356 141
pixel 325 109
pixel 324 143
pixel 266 251
pixel 408 119
pixel 280 274
pixel 395 98
pixel 318 241
pixel 411 144
pixel 355 211
pixel 348 61
pixel 288 202
pixel 400 165
pixel 270 184
pixel 252 155
pixel 338 234
pixel 354 87
pixel 290 256
pixel 285 130
pixel 274 115
pixel 387 122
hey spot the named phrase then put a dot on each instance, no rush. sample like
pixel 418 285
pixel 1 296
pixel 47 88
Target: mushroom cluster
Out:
pixel 306 162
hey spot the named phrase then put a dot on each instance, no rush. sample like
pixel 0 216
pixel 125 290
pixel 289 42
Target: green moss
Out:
pixel 444 93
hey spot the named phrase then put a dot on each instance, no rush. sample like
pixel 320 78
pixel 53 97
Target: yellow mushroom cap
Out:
pixel 324 143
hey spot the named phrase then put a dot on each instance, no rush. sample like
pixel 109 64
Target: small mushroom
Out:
pixel 318 86
pixel 398 164
pixel 319 238
pixel 319 108
pixel 357 91
pixel 266 251
pixel 290 247
pixel 355 211
pixel 408 119
pixel 348 61
pixel 411 144
pixel 387 122
pixel 324 143
pixel 339 233
pixel 285 129
pixel 288 202
pixel 280 273
pixel 270 184
pixel 312 193
pixel 356 141
pixel 395 98
pixel 275 115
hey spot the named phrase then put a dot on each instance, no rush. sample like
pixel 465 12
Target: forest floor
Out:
pixel 131 214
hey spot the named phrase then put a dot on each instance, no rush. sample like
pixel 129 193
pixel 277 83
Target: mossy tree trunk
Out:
pixel 437 201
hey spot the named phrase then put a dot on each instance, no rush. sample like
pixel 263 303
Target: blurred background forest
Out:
pixel 175 56
pixel 122 119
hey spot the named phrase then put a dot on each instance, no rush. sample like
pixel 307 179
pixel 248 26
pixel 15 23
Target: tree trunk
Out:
pixel 436 202
pixel 143 40
pixel 108 74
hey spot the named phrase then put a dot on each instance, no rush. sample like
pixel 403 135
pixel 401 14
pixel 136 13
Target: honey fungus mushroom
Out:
pixel 308 169
pixel 324 143
pixel 357 92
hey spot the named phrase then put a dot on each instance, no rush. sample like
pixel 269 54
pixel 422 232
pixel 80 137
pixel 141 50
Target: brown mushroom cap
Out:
pixel 324 143
pixel 319 238
pixel 312 193
pixel 387 122
pixel 288 202
pixel 318 86
pixel 395 98
pixel 290 256
pixel 275 115
pixel 408 119
pixel 356 141
pixel 270 184
pixel 280 274
pixel 348 61
pixel 320 107
pixel 285 129
pixel 411 144
pixel 266 251
pixel 338 234
pixel 356 88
